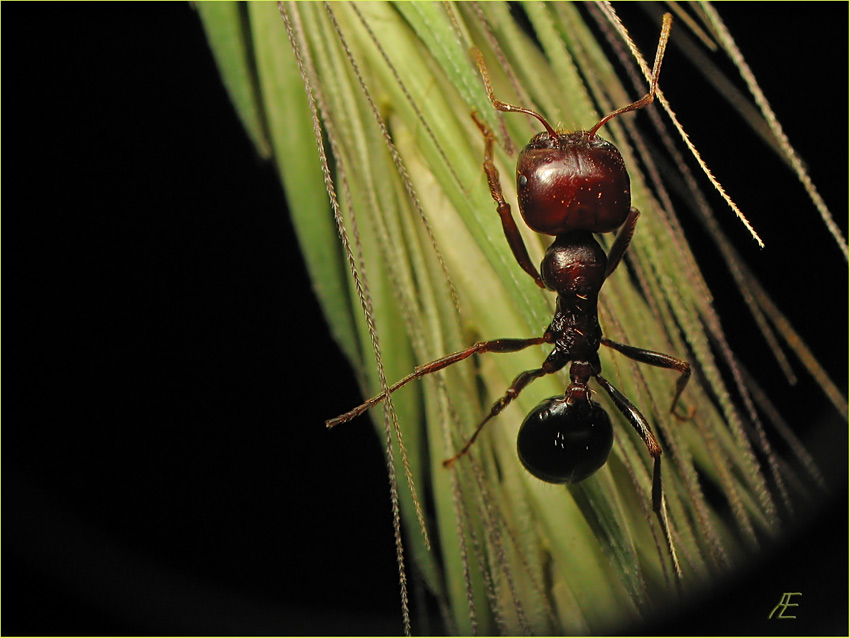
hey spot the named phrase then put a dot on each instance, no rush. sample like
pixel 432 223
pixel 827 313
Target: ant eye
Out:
pixel 560 442
pixel 521 181
pixel 599 143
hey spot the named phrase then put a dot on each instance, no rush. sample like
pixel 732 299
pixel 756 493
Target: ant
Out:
pixel 570 185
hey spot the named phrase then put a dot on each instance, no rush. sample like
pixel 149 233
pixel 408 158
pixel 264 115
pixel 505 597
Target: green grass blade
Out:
pixel 290 131
pixel 229 37
pixel 511 555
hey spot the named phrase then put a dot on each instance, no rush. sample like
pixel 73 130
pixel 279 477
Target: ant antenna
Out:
pixel 646 100
pixel 504 106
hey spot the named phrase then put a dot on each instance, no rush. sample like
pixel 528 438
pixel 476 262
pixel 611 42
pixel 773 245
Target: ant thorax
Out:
pixel 572 181
pixel 574 266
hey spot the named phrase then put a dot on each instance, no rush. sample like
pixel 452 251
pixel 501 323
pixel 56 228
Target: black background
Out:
pixel 165 467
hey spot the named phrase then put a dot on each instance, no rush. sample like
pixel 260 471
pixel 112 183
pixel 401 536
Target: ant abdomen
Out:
pixel 565 442
pixel 573 181
pixel 574 264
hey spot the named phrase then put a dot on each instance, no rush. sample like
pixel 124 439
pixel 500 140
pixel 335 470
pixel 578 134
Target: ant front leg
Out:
pixel 639 423
pixel 658 360
pixel 624 238
pixel 503 208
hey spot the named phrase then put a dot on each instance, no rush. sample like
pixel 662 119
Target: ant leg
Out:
pixel 497 345
pixel 639 423
pixel 503 208
pixel 624 238
pixel 658 360
pixel 519 383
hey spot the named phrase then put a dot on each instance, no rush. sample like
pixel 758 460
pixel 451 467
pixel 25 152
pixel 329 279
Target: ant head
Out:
pixel 565 442
pixel 572 181
pixel 576 181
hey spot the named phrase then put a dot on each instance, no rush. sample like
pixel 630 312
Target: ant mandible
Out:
pixel 570 185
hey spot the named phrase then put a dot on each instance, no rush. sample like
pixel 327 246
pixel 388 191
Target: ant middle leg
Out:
pixel 640 424
pixel 496 345
pixel 658 360
pixel 512 234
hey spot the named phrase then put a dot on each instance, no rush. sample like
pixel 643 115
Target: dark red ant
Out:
pixel 570 185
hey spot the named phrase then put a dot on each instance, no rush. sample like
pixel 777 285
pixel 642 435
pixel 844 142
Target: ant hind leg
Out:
pixel 659 360
pixel 640 424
